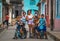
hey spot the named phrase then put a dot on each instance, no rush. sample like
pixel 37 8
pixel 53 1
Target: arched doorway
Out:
pixel 16 13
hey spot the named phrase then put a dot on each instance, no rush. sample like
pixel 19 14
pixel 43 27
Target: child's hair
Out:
pixel 42 14
pixel 23 12
pixel 28 11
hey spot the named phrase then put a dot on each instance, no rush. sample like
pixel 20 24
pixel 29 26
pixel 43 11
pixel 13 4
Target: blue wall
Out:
pixel 0 12
pixel 27 6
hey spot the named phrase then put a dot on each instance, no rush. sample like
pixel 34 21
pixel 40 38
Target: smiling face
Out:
pixel 29 12
pixel 42 16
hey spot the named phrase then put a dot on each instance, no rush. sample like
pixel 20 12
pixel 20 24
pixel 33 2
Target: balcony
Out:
pixel 16 1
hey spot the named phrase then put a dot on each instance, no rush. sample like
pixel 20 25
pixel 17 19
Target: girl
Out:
pixel 36 21
pixel 30 23
pixel 23 19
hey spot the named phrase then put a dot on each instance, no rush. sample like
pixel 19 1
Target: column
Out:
pixel 10 15
pixel 13 12
pixel 43 8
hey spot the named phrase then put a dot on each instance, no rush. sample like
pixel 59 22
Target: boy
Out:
pixel 36 21
pixel 17 33
pixel 42 25
pixel 23 29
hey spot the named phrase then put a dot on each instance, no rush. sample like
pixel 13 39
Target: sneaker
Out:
pixel 46 38
pixel 15 38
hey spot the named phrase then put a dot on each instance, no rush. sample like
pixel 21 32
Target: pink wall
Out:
pixel 57 24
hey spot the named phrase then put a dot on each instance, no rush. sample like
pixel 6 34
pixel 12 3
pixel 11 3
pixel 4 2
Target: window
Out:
pixel 58 8
pixel 32 2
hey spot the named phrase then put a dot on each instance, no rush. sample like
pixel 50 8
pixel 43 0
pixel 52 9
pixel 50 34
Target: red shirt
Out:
pixel 7 17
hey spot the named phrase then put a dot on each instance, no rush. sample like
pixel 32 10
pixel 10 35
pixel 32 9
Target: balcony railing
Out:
pixel 16 1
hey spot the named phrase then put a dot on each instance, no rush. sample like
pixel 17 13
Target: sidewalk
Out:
pixel 54 34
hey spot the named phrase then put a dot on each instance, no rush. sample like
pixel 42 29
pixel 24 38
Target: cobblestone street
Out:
pixel 7 35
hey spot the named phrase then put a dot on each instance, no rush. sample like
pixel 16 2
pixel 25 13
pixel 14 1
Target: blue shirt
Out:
pixel 18 26
pixel 42 23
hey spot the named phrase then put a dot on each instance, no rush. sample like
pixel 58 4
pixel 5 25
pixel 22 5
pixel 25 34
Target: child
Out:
pixel 30 23
pixel 42 25
pixel 17 33
pixel 23 29
pixel 36 21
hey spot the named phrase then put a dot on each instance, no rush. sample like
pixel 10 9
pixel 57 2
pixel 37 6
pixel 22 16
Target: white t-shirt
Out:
pixel 30 16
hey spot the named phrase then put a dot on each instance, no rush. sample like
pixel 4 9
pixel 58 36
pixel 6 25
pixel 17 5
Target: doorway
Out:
pixel 16 13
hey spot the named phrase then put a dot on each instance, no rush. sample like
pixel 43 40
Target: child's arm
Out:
pixel 26 18
pixel 21 31
pixel 44 23
pixel 39 23
pixel 16 29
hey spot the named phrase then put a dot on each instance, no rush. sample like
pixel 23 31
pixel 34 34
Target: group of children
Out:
pixel 36 23
pixel 40 26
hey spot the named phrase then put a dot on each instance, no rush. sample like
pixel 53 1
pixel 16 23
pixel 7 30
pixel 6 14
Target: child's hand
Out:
pixel 39 24
pixel 16 29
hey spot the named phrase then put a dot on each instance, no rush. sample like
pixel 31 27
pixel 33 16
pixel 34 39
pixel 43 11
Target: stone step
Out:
pixel 54 35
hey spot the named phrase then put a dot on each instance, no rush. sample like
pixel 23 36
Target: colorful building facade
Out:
pixel 0 11
pixel 53 12
pixel 57 15
pixel 30 5
pixel 42 7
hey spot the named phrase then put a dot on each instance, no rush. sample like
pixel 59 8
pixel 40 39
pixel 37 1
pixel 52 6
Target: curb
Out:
pixel 53 36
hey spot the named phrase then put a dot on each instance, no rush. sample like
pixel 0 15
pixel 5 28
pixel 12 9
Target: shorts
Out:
pixel 30 22
pixel 44 29
pixel 36 28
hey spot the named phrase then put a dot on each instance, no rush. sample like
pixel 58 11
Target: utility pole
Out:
pixel 52 16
